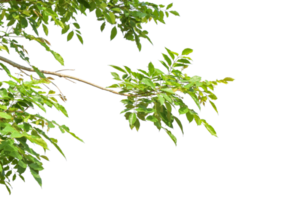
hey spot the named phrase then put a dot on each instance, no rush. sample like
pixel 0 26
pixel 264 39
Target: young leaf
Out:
pixel 187 51
pixel 210 129
pixel 214 106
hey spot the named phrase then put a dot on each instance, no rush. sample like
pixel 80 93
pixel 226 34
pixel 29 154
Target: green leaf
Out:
pixel 70 36
pixel 196 100
pixel 174 13
pixel 5 115
pixel 148 82
pixel 213 97
pixel 152 118
pixel 169 6
pixel 151 69
pixel 171 136
pixel 170 53
pixel 169 90
pixel 161 99
pixel 210 129
pixel 45 29
pixel 5 68
pixel 118 68
pixel 79 38
pixel 76 25
pixel 132 118
pixel 112 17
pixel 107 17
pixel 187 51
pixel 36 176
pixel 167 59
pixel 38 72
pixel 197 120
pixel 102 26
pixel 113 33
pixel 137 41
pixel 85 3
pixel 179 124
pixel 58 57
pixel 183 110
pixel 24 23
pixel 214 106
pixel 228 79
pixel 167 97
pixel 116 76
pixel 65 29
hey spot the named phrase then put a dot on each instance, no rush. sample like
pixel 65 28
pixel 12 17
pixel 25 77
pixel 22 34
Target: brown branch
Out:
pixel 59 75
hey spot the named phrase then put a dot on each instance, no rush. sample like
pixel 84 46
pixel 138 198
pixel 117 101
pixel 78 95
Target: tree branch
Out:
pixel 59 75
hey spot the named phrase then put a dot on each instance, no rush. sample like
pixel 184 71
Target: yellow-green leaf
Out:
pixel 5 115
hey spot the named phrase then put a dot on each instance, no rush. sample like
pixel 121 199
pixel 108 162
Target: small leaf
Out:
pixel 174 13
pixel 179 124
pixel 210 129
pixel 187 51
pixel 118 68
pixel 79 38
pixel 167 59
pixel 183 110
pixel 102 26
pixel 171 136
pixel 38 72
pixel 151 69
pixel 113 33
pixel 58 57
pixel 132 118
pixel 228 79
pixel 169 6
pixel 152 118
pixel 70 35
pixel 45 29
pixel 76 25
pixel 214 106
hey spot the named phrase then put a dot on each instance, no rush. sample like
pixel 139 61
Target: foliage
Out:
pixel 153 93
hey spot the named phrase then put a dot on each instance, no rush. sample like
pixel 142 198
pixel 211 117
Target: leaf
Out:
pixel 65 29
pixel 132 118
pixel 174 13
pixel 210 129
pixel 116 76
pixel 228 79
pixel 137 41
pixel 5 115
pixel 151 69
pixel 187 51
pixel 76 25
pixel 161 99
pixel 113 33
pixel 195 99
pixel 107 17
pixel 169 90
pixel 79 38
pixel 197 120
pixel 5 68
pixel 167 97
pixel 167 59
pixel 148 82
pixel 36 176
pixel 70 36
pixel 213 96
pixel 85 3
pixel 102 26
pixel 169 6
pixel 152 118
pixel 118 68
pixel 23 22
pixel 112 17
pixel 183 110
pixel 171 136
pixel 179 124
pixel 214 106
pixel 58 57
pixel 45 29
pixel 170 53
pixel 38 72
